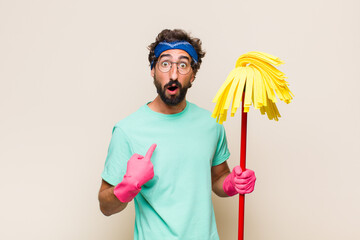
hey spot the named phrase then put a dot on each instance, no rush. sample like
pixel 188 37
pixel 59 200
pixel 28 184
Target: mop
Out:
pixel 253 81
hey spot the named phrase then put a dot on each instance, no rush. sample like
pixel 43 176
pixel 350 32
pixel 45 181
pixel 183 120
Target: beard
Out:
pixel 172 100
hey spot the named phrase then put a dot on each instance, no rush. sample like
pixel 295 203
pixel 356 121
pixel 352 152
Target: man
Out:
pixel 171 185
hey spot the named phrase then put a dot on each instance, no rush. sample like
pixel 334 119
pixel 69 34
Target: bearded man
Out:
pixel 171 185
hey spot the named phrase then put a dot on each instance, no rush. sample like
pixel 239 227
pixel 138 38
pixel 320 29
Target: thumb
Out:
pixel 150 151
pixel 238 170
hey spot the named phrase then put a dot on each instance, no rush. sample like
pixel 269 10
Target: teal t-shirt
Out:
pixel 176 203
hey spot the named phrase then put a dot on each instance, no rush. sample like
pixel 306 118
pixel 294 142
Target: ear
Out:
pixel 192 78
pixel 153 72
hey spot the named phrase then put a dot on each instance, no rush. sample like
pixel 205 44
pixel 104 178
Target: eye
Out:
pixel 182 65
pixel 165 64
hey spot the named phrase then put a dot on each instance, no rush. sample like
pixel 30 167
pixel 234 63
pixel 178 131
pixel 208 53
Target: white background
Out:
pixel 69 70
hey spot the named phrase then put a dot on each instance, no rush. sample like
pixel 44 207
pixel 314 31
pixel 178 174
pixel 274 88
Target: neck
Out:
pixel 159 106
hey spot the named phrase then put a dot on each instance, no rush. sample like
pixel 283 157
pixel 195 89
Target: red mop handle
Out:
pixel 242 165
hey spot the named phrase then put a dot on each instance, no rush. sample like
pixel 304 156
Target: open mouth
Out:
pixel 173 88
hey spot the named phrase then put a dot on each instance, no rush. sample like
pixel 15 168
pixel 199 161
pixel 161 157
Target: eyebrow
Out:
pixel 169 55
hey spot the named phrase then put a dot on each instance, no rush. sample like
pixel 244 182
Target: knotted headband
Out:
pixel 182 45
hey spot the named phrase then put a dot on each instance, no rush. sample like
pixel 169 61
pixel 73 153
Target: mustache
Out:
pixel 171 82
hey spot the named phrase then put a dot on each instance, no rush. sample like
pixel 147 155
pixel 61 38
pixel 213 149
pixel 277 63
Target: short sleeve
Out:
pixel 119 152
pixel 222 152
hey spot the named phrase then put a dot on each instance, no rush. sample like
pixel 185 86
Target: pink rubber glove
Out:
pixel 139 170
pixel 239 182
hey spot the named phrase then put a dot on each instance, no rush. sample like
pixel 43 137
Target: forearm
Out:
pixel 109 203
pixel 217 185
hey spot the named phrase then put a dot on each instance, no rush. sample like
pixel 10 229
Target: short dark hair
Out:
pixel 177 35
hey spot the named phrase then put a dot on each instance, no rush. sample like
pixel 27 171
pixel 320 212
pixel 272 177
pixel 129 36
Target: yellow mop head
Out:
pixel 256 77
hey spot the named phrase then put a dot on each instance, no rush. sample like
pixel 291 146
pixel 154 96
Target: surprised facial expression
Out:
pixel 172 86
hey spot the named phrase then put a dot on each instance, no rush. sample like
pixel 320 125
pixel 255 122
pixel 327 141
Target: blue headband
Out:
pixel 182 45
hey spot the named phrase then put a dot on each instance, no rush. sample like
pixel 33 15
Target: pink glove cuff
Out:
pixel 228 186
pixel 127 189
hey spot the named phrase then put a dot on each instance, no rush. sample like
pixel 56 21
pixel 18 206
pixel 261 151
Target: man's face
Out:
pixel 172 86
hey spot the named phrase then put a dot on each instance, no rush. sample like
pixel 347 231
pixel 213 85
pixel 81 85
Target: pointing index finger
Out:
pixel 150 151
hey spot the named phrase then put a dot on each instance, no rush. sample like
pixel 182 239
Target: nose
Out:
pixel 174 72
